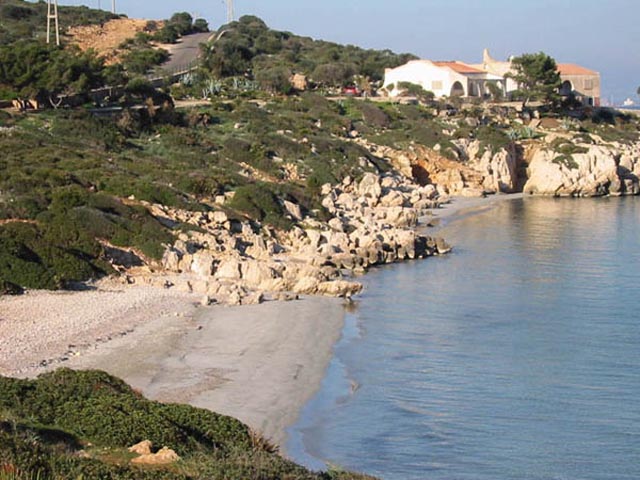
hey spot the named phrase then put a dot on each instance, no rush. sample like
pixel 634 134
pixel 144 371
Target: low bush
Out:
pixel 45 423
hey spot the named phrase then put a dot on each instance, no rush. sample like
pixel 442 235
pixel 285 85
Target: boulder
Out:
pixel 203 263
pixel 142 448
pixel 392 199
pixel 369 187
pixel 218 217
pixel 336 224
pixel 171 259
pixel 306 285
pixel 164 456
pixel 256 272
pixel 228 269
pixel 339 288
pixel 293 209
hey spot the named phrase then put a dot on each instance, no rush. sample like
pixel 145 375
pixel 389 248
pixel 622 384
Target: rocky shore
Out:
pixel 236 262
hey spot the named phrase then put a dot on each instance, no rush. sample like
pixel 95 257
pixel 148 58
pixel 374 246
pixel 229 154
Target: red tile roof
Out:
pixel 459 67
pixel 572 69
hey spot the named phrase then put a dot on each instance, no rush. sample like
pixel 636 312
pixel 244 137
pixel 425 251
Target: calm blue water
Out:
pixel 515 357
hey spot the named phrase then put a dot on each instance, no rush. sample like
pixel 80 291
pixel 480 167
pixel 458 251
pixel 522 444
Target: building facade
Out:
pixel 451 79
pixel 444 79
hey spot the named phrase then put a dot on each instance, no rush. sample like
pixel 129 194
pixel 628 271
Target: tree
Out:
pixel 415 90
pixel 496 92
pixel 638 91
pixel 334 74
pixel 537 77
pixel 35 70
pixel 200 25
pixel 182 22
pixel 275 80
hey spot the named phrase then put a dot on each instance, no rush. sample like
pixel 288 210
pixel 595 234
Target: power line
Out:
pixel 52 14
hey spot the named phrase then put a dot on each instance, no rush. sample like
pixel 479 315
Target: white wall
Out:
pixel 438 80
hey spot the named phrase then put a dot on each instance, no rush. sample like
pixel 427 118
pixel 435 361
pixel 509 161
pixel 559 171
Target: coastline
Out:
pixel 337 383
pixel 258 363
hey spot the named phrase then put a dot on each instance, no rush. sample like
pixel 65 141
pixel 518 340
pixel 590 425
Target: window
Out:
pixel 436 85
pixel 588 84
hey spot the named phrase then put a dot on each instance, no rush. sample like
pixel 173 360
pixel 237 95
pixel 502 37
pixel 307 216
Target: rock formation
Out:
pixel 599 170
pixel 164 456
pixel 239 262
pixel 482 172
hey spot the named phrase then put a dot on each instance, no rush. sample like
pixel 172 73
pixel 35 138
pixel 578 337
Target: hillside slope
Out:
pixel 70 425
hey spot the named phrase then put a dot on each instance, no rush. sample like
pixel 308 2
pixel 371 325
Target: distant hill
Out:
pixel 249 45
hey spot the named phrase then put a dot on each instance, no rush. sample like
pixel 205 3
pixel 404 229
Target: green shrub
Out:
pixel 141 60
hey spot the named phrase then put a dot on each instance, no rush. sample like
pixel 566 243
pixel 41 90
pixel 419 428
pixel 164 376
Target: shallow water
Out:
pixel 515 357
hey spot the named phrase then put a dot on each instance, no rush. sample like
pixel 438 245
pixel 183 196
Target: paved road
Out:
pixel 184 52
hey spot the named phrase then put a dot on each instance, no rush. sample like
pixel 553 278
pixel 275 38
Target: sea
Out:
pixel 517 356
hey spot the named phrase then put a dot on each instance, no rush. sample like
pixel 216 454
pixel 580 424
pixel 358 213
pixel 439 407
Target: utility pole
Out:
pixel 52 14
pixel 113 6
pixel 230 14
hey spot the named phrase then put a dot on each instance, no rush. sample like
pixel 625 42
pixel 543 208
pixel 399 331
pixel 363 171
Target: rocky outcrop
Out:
pixel 142 448
pixel 237 262
pixel 481 171
pixel 499 170
pixel 598 170
pixel 593 170
pixel 164 456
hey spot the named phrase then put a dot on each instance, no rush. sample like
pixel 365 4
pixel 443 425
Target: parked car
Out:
pixel 351 91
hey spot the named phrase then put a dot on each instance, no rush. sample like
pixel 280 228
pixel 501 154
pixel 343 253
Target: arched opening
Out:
pixel 566 89
pixel 457 90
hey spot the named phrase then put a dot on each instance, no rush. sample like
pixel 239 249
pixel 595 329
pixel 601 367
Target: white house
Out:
pixel 444 79
pixel 580 82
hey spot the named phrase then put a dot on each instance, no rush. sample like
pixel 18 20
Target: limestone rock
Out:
pixel 306 285
pixel 142 448
pixel 228 269
pixel 392 199
pixel 593 173
pixel 171 259
pixel 164 456
pixel 339 288
pixel 370 186
pixel 203 263
pixel 219 217
pixel 293 209
pixel 256 273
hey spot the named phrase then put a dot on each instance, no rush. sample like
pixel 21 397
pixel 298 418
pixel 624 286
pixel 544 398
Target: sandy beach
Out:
pixel 258 363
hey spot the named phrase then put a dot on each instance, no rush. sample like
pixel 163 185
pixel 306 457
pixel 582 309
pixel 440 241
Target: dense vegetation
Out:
pixel 21 20
pixel 65 173
pixel 71 425
pixel 248 46
pixel 32 69
pixel 74 184
pixel 537 77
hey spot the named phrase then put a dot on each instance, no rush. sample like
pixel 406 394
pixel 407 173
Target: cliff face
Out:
pixel 479 172
pixel 583 170
pixel 600 170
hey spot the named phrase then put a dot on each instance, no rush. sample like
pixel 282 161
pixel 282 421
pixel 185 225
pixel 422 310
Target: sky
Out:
pixel 603 35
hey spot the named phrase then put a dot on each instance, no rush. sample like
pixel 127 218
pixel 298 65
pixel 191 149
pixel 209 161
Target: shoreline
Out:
pixel 341 385
pixel 258 363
